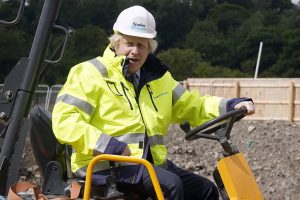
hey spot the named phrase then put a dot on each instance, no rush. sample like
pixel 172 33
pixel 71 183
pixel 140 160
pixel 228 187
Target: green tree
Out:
pixel 288 63
pixel 223 33
pixel 204 70
pixel 181 61
pixel 228 16
pixel 279 5
pixel 14 44
pixel 244 3
pixel 79 13
pixel 188 63
pixel 204 38
pixel 173 22
pixel 290 19
pixel 248 49
pixel 213 37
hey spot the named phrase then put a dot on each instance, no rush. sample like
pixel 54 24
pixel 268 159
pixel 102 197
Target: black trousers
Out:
pixel 176 184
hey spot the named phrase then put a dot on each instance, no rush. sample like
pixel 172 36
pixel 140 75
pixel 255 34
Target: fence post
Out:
pixel 237 89
pixel 291 101
pixel 185 84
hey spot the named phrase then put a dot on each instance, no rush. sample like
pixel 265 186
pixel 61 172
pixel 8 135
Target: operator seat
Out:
pixel 51 156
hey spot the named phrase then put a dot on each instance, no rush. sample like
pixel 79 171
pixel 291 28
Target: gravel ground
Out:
pixel 271 148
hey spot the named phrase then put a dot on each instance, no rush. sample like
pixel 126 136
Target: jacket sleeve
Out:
pixel 74 107
pixel 192 107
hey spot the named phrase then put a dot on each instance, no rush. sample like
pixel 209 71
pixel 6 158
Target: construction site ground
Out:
pixel 272 149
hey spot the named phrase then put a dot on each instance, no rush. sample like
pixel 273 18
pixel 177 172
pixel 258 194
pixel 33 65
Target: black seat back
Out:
pixel 45 146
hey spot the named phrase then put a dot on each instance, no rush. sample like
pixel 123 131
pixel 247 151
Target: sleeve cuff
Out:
pixel 115 147
pixel 232 102
pixel 108 145
pixel 222 106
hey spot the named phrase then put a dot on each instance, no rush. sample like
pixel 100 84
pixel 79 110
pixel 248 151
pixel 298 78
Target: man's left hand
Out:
pixel 248 105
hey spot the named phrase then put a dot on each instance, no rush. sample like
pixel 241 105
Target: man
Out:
pixel 122 103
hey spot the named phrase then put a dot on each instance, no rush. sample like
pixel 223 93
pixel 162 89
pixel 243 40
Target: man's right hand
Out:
pixel 126 151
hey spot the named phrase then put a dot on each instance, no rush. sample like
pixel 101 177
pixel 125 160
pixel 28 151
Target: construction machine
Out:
pixel 233 175
pixel 18 90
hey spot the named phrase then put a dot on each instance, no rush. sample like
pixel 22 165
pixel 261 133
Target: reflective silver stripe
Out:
pixel 156 140
pixel 101 144
pixel 131 138
pixel 222 106
pixel 103 165
pixel 177 92
pixel 128 138
pixel 79 103
pixel 100 67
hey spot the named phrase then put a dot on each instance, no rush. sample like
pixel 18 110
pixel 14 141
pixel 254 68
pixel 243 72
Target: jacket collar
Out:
pixel 153 68
pixel 111 57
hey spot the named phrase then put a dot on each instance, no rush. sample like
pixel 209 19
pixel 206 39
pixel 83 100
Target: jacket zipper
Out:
pixel 124 90
pixel 144 144
pixel 150 93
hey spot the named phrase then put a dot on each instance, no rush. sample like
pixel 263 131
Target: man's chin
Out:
pixel 133 69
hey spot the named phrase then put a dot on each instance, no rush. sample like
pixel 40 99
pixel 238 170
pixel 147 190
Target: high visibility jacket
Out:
pixel 98 108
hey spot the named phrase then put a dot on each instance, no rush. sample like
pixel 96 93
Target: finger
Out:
pixel 248 105
pixel 126 151
pixel 251 108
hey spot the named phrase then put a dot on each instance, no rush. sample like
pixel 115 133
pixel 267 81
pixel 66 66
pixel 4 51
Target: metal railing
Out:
pixel 44 95
pixel 54 90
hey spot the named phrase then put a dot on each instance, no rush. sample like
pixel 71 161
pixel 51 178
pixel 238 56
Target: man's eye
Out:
pixel 141 46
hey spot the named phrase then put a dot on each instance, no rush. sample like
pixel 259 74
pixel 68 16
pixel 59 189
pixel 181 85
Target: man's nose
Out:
pixel 135 50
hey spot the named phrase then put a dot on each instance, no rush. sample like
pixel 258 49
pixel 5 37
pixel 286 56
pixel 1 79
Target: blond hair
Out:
pixel 115 40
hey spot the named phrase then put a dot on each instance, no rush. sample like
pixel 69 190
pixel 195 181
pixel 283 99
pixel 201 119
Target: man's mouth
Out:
pixel 133 59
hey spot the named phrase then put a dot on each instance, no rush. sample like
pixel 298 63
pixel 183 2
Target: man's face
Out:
pixel 136 49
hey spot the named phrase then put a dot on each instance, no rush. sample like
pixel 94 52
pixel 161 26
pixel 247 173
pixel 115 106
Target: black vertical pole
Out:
pixel 9 156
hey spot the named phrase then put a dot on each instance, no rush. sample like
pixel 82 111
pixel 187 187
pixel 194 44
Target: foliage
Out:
pixel 181 61
pixel 288 63
pixel 188 63
pixel 200 38
pixel 227 16
pixel 14 44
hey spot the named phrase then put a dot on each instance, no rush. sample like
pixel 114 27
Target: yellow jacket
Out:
pixel 98 111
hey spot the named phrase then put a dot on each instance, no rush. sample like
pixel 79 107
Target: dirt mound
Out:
pixel 272 149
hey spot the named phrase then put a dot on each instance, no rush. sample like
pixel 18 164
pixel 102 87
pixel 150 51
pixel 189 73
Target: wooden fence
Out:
pixel 277 99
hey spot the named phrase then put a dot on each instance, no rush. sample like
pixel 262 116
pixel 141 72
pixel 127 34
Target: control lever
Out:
pixel 185 126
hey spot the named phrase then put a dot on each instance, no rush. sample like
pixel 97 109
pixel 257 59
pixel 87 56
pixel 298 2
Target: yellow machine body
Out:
pixel 238 179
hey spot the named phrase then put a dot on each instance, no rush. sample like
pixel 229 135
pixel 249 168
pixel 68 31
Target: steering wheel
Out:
pixel 221 126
